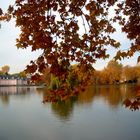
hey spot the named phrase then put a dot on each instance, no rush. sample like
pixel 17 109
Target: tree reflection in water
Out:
pixel 64 109
pixel 133 103
pixel 5 100
pixel 113 95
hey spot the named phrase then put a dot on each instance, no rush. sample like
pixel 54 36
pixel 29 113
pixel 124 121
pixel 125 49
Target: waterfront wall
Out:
pixel 13 82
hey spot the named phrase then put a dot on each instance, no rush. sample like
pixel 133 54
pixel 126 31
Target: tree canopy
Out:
pixel 128 16
pixel 73 31
pixel 5 69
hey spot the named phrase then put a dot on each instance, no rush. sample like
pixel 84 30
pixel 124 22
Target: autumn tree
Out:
pixel 101 77
pixel 114 70
pixel 80 74
pixel 5 69
pixel 128 17
pixel 46 76
pixel 1 72
pixel 110 74
pixel 129 74
pixel 137 69
pixel 72 31
pixel 22 74
pixel 65 31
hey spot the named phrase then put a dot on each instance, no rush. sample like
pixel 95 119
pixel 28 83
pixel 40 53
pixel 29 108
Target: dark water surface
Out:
pixel 97 114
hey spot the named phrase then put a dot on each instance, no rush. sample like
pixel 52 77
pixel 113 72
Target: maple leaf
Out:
pixel 127 102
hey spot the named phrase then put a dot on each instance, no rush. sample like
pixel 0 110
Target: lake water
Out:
pixel 96 114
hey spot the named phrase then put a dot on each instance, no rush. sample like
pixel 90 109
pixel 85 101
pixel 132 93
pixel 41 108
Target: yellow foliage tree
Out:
pixel 5 69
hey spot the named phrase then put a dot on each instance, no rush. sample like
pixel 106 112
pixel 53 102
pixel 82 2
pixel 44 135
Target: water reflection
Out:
pixel 8 91
pixel 94 114
pixel 113 96
pixel 64 109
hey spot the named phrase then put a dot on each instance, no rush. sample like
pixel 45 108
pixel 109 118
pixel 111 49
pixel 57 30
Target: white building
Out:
pixel 6 80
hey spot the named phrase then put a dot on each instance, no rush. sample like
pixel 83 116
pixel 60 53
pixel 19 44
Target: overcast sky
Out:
pixel 17 59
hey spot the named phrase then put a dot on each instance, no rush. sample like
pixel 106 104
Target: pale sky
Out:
pixel 17 59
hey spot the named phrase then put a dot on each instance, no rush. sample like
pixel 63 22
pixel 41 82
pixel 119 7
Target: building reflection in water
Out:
pixel 112 96
pixel 8 91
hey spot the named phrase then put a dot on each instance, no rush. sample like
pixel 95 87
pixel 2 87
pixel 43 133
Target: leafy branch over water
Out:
pixel 133 104
pixel 72 31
